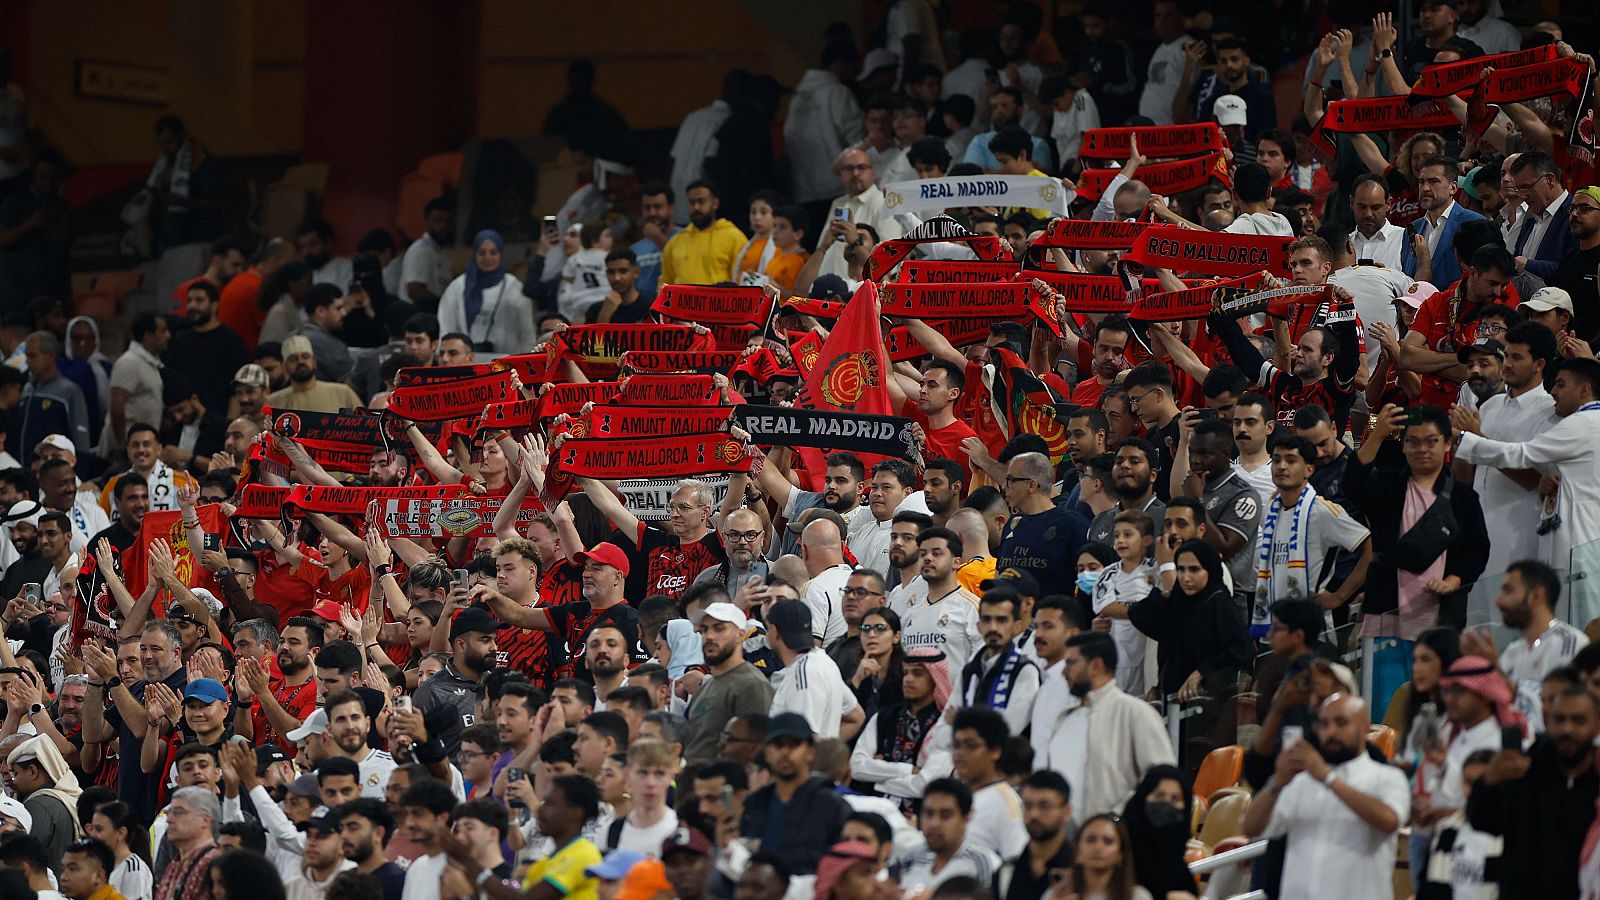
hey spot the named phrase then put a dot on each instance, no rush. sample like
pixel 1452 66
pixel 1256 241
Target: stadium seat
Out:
pixel 1196 818
pixel 416 190
pixel 1382 737
pixel 446 167
pixel 1219 770
pixel 1224 819
pixel 117 285
pixel 97 305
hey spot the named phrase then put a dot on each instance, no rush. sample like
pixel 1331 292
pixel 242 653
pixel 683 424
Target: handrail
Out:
pixel 1253 895
pixel 1227 858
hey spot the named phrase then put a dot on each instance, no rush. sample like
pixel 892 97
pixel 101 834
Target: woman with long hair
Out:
pixel 1431 657
pixel 1104 867
pixel 876 681
pixel 241 874
pixel 419 625
pixel 115 824
pixel 1158 818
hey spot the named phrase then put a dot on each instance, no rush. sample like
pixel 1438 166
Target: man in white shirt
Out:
pixel 892 488
pixel 1001 677
pixel 1525 408
pixel 1480 22
pixel 1340 809
pixel 909 589
pixel 697 139
pixel 1054 622
pixel 1375 238
pixel 1527 602
pixel 862 201
pixel 823 120
pixel 979 739
pixel 425 815
pixel 823 554
pixel 1252 188
pixel 946 823
pixel 425 269
pixel 315 243
pixel 1166 64
pixel 812 686
pixel 1373 287
pixel 948 617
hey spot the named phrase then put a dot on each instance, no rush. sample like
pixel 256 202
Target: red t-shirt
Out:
pixel 290 589
pixel 353 587
pixel 1403 206
pixel 1088 392
pixel 1442 323
pixel 943 443
pixel 297 700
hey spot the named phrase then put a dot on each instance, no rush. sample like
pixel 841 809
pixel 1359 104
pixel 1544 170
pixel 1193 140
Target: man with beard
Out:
pixel 1322 363
pixel 1046 812
pixel 191 431
pixel 1524 408
pixel 131 498
pixel 605 573
pixel 347 737
pixel 1527 603
pixel 1542 802
pixel 1133 480
pixel 1483 359
pixel 1043 538
pixel 736 688
pixel 863 591
pixel 905 576
pixel 943 483
pixel 663 560
pixel 844 481
pixel 657 212
pixel 280 704
pixel 605 656
pixel 1056 619
pixel 1577 271
pixel 703 253
pixel 624 304
pixel 453 694
pixel 1376 239
pixel 58 491
pixel 1150 395
pixel 1333 454
pixel 27 564
pixel 862 203
pixel 797 815
pixel 251 384
pixel 1433 233
pixel 322 857
pixel 305 392
pixel 1111 335
pixel 948 616
pixel 425 269
pixel 135 383
pixel 1129 735
pixel 744 541
pixel 127 719
pixel 365 826
pixel 388 468
pixel 192 821
pixel 1340 809
pixel 1001 678
pixel 208 352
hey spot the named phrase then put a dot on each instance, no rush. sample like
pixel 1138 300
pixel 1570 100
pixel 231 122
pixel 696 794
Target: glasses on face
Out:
pixel 742 536
pixel 1018 479
pixel 875 628
pixel 462 756
pixel 1133 399
pixel 1490 328
pixel 685 507
pixel 861 592
pixel 1583 209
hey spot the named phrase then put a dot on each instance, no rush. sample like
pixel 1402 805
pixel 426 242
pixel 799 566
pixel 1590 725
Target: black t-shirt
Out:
pixel 392 879
pixel 209 360
pixel 134 787
pixel 659 564
pixel 1575 274
pixel 626 314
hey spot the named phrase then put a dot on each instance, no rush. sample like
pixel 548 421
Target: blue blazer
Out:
pixel 1558 243
pixel 1446 271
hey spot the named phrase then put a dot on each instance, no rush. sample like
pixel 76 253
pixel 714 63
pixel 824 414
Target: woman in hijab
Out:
pixel 89 369
pixel 486 302
pixel 1158 818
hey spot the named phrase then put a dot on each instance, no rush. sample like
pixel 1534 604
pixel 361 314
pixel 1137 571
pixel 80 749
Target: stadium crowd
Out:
pixel 1044 474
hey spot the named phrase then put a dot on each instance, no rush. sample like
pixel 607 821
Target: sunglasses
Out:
pixel 878 628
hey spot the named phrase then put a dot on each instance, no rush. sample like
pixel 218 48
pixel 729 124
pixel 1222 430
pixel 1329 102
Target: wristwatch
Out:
pixel 1330 778
pixel 1386 53
pixel 35 709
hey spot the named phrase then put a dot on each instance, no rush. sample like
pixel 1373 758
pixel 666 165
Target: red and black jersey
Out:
pixel 525 650
pixel 574 621
pixel 1403 206
pixel 561 583
pixel 297 700
pixel 1442 322
pixel 659 564
pixel 1289 394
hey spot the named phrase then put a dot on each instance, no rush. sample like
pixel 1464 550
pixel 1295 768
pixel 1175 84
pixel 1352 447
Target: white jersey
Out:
pixel 814 688
pixel 375 770
pixel 949 622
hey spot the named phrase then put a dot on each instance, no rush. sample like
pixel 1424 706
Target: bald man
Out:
pixel 744 541
pixel 861 203
pixel 823 553
pixel 1340 809
pixel 978 567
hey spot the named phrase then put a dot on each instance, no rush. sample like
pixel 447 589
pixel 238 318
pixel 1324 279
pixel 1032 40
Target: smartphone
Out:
pixel 1511 738
pixel 727 798
pixel 840 214
pixel 461 579
pixel 1207 414
pixel 403 703
pixel 33 592
pixel 1291 735
pixel 550 224
pixel 1413 416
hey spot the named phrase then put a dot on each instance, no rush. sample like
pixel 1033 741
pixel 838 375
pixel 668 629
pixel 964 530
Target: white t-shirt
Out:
pixel 1270 223
pixel 1374 289
pixel 425 262
pixel 825 595
pixel 647 840
pixel 1329 526
pixel 583 283
pixel 948 622
pixel 1117 586
pixel 907 594
pixel 1328 843
pixel 815 689
pixel 1161 81
pixel 422 877
pixel 996 823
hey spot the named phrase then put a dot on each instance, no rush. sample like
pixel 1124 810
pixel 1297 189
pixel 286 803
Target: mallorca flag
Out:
pixel 1024 404
pixel 169 526
pixel 849 372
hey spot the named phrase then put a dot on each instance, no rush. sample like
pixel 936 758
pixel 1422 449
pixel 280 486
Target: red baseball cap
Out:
pixel 327 609
pixel 606 554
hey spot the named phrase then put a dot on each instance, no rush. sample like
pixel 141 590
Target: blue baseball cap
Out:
pixel 208 689
pixel 616 865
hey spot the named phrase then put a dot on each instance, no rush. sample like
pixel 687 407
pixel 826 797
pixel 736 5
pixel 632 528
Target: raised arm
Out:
pixel 611 507
pixel 428 456
pixel 346 539
pixel 1369 153
pixel 309 470
pixel 935 343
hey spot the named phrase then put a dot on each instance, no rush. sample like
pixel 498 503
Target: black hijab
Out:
pixel 1158 849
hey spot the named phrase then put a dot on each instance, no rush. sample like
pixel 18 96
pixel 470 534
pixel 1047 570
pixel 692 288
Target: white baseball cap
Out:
pixel 316 723
pixel 1230 110
pixel 59 441
pixel 877 58
pixel 1548 298
pixel 726 612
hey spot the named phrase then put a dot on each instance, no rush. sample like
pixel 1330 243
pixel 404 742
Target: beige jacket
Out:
pixel 1126 737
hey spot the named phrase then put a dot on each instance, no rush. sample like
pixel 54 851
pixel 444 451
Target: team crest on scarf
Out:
pixel 848 376
pixel 728 451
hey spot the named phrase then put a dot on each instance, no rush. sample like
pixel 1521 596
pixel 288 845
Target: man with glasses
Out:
pixel 1577 271
pixel 663 560
pixel 1042 538
pixel 741 738
pixel 1150 396
pixel 1542 235
pixel 863 591
pixel 744 540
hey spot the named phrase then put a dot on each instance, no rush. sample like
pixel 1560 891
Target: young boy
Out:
pixel 1460 855
pixel 789 226
pixel 651 768
pixel 1127 583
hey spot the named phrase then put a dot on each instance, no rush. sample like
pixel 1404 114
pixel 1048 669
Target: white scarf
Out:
pixel 163 489
pixel 179 182
pixel 758 274
pixel 1293 565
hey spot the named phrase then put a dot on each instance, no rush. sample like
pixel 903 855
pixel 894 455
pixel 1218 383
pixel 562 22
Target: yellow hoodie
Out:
pixel 702 256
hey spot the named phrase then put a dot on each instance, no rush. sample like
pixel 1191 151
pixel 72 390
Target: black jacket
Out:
pixel 1381 493
pixel 812 821
pixel 1544 819
pixel 1202 633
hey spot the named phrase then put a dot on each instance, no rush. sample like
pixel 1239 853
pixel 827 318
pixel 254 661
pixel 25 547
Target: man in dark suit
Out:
pixel 1542 235
pixel 1434 233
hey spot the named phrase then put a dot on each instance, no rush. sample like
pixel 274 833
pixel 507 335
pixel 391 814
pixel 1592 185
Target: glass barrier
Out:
pixel 1580 603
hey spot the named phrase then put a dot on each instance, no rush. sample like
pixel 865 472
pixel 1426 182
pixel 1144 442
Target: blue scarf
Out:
pixel 477 279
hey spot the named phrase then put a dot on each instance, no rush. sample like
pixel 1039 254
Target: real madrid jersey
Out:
pixel 948 622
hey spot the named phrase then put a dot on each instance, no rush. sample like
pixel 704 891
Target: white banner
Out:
pixel 939 194
pixel 650 498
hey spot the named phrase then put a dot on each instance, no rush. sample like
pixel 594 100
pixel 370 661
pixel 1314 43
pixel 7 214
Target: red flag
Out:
pixel 852 367
pixel 168 525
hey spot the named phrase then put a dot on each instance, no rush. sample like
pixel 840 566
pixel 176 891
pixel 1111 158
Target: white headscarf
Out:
pixel 22 511
pixel 99 363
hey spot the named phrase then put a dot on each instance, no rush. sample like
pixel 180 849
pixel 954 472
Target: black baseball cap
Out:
pixel 474 619
pixel 788 725
pixel 266 755
pixel 1014 579
pixel 791 619
pixel 325 822
pixel 1482 345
